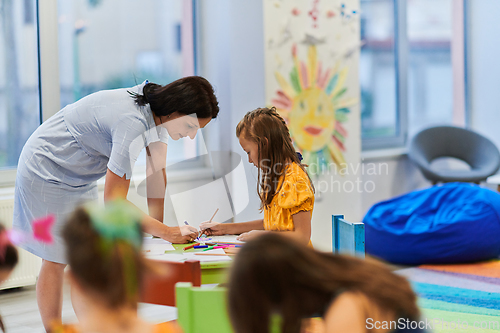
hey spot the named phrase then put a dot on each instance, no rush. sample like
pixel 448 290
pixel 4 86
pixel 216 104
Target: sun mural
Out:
pixel 314 105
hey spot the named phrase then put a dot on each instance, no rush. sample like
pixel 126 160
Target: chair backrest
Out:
pixel 202 309
pixel 348 237
pixel 449 141
pixel 161 289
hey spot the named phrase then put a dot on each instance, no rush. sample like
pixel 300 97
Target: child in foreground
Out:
pixel 8 260
pixel 273 274
pixel 284 188
pixel 106 265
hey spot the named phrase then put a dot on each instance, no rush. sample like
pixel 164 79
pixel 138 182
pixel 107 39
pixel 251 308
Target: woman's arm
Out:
pixel 156 181
pixel 116 187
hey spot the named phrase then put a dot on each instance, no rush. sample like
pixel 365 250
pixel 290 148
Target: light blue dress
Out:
pixel 62 160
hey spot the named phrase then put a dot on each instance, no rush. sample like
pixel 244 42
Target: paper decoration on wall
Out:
pixel 347 15
pixel 348 52
pixel 311 40
pixel 314 13
pixel 314 105
pixel 285 34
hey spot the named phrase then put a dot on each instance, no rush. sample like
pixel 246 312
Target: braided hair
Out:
pixel 269 131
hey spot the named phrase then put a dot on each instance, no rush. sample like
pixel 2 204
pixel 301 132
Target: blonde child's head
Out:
pixel 265 137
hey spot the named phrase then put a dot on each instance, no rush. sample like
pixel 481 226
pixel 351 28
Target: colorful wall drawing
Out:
pixel 311 53
pixel 314 104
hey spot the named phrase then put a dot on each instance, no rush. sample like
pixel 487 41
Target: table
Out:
pixel 211 272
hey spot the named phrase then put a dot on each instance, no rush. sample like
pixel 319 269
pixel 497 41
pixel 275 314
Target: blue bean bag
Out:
pixel 451 223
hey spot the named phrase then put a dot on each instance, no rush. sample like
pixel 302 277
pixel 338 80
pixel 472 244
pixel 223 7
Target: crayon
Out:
pixel 190 246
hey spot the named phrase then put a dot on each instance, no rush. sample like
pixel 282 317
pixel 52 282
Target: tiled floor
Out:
pixel 20 312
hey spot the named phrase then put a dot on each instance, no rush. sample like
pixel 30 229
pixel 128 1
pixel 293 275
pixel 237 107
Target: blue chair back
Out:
pixel 348 237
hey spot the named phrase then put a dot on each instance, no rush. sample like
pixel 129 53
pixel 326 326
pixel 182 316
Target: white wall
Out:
pixel 231 57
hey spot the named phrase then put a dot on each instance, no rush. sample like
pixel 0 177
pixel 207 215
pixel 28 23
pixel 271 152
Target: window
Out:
pixel 107 44
pixel 19 81
pixel 406 74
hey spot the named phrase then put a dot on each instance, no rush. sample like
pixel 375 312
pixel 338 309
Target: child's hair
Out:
pixel 273 274
pixel 8 253
pixel 103 252
pixel 8 257
pixel 268 130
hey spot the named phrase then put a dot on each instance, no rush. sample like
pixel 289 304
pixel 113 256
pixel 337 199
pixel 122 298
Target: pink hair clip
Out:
pixel 42 231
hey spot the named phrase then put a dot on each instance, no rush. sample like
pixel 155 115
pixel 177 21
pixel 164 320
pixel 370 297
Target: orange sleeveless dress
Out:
pixel 295 195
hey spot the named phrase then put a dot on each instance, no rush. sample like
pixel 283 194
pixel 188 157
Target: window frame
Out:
pixel 48 62
pixel 401 55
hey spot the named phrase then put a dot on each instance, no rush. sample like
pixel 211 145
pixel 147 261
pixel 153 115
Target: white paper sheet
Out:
pixel 156 246
pixel 191 256
pixel 205 257
pixel 222 239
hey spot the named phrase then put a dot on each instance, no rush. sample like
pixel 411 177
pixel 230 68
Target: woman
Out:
pixel 102 135
pixel 273 274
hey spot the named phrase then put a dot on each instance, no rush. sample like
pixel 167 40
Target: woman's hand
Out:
pixel 212 228
pixel 181 235
pixel 245 237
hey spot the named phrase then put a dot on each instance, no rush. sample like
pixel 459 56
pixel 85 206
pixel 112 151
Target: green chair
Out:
pixel 202 310
pixel 205 310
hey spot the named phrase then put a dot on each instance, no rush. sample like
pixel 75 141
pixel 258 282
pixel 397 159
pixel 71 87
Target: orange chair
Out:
pixel 161 289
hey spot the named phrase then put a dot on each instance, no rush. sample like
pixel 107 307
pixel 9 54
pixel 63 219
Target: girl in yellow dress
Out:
pixel 284 187
pixel 103 249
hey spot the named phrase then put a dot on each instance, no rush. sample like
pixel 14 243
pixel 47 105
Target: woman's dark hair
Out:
pixel 188 95
pixel 273 274
pixel 109 268
pixel 266 128
pixel 8 257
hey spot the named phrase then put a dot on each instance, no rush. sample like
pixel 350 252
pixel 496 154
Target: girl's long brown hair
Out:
pixel 268 130
pixel 273 274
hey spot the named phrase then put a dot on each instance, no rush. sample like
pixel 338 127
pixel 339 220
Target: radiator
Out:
pixel 26 271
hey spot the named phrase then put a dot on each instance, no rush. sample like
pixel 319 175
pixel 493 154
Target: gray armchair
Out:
pixel 447 141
